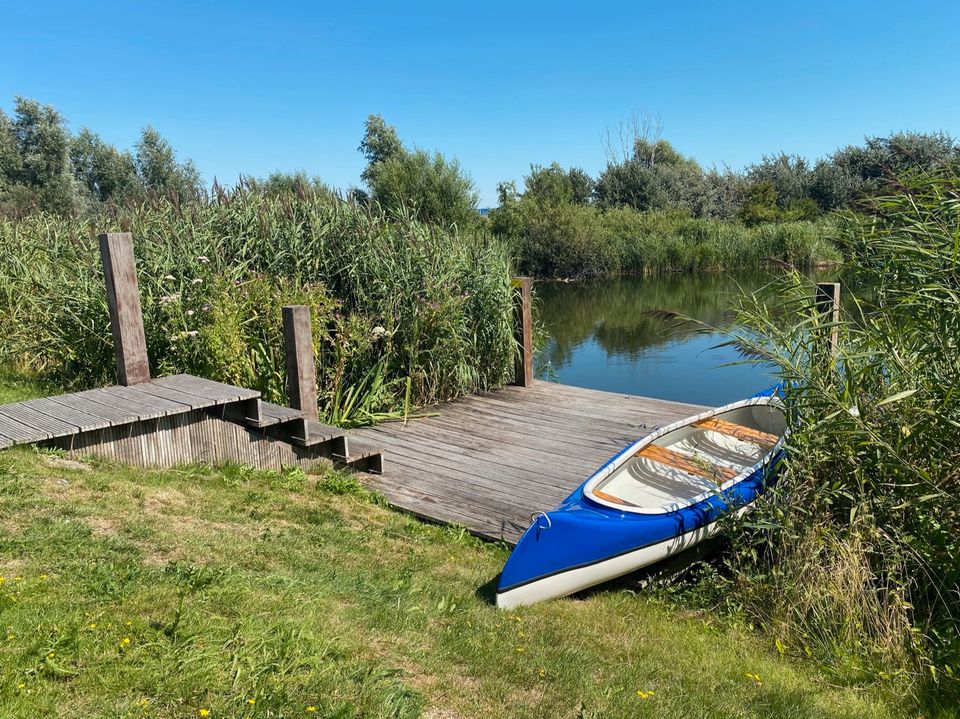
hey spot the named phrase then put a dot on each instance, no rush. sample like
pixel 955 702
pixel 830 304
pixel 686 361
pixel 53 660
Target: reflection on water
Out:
pixel 605 335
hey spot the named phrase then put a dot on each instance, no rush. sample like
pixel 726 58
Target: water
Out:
pixel 602 336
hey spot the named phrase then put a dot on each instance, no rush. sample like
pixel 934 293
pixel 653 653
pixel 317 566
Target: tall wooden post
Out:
pixel 301 371
pixel 126 316
pixel 828 303
pixel 523 330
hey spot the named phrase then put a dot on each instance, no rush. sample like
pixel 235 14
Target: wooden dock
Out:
pixel 488 462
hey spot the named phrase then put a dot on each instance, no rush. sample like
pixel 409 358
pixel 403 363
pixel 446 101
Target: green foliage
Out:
pixel 159 170
pixel 859 561
pixel 417 183
pixel 45 168
pixel 562 239
pixel 429 310
pixel 104 171
pixel 555 185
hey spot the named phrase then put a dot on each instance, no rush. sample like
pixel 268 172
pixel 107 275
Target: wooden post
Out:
pixel 828 303
pixel 523 330
pixel 123 299
pixel 301 371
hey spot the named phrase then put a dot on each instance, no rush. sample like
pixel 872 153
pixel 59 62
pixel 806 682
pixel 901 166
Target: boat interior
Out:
pixel 683 466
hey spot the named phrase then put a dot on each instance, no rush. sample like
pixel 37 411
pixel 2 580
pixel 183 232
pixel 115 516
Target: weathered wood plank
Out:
pixel 123 300
pixel 43 425
pixel 80 418
pixel 207 389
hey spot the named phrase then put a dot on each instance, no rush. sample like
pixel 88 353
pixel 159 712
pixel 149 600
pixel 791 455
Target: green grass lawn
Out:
pixel 170 593
pixel 225 592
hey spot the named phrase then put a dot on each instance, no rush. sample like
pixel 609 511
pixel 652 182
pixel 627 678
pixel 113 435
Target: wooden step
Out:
pixel 363 457
pixel 314 434
pixel 738 431
pixel 274 414
pixel 670 458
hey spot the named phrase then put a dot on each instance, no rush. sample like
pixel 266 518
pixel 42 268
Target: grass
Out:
pixel 169 593
pixel 242 593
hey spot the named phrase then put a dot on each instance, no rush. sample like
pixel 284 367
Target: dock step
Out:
pixel 274 414
pixel 363 457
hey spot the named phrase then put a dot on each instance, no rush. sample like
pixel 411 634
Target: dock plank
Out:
pixel 488 462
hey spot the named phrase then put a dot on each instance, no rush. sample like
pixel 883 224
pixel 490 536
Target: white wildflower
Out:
pixel 203 258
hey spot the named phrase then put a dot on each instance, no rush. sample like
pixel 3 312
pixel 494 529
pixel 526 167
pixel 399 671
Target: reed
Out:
pixel 568 240
pixel 427 310
pixel 858 561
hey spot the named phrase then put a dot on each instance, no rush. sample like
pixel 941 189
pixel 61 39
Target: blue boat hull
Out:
pixel 583 543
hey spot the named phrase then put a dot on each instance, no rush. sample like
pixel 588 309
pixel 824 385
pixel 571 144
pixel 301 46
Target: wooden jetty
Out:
pixel 485 462
pixel 488 462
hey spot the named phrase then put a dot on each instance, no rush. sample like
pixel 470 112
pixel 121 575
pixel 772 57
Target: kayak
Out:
pixel 660 495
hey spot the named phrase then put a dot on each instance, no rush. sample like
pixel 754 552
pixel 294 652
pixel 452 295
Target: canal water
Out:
pixel 610 334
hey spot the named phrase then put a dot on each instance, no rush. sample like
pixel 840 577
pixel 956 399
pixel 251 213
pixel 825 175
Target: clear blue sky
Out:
pixel 252 87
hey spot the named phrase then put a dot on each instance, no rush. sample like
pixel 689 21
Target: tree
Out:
pixel 159 170
pixel 380 143
pixel 554 184
pixel 434 189
pixel 788 175
pixel 105 172
pixel 42 144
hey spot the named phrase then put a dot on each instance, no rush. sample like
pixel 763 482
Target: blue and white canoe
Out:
pixel 659 496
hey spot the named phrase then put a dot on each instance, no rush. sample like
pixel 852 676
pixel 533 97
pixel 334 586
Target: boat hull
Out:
pixel 584 542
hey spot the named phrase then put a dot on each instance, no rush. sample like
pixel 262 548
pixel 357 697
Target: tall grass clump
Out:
pixel 564 239
pixel 859 559
pixel 404 312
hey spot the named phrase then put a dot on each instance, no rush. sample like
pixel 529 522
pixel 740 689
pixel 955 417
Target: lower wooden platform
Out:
pixel 488 462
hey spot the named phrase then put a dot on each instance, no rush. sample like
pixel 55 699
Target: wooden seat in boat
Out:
pixel 669 457
pixel 738 431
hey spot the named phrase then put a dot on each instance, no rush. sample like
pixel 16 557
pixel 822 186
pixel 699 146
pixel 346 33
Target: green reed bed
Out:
pixel 570 240
pixel 404 313
pixel 858 563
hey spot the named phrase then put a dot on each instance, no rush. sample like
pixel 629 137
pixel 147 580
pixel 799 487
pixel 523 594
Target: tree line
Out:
pixel 43 166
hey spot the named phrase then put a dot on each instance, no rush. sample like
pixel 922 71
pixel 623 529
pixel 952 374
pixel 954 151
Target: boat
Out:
pixel 660 495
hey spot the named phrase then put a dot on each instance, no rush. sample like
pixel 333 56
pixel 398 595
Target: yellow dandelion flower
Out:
pixel 543 673
pixel 204 712
pixel 43 577
pixel 251 701
pixel 521 650
pixel 92 625
pixel 10 637
pixel 21 685
pixel 311 709
pixel 125 642
pixel 50 655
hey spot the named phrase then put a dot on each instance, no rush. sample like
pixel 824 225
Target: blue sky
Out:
pixel 252 87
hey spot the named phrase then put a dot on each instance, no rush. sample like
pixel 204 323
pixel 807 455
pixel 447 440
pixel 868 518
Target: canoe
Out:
pixel 660 495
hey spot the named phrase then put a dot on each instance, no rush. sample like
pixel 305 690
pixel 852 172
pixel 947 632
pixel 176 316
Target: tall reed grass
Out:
pixel 859 559
pixel 404 313
pixel 569 240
